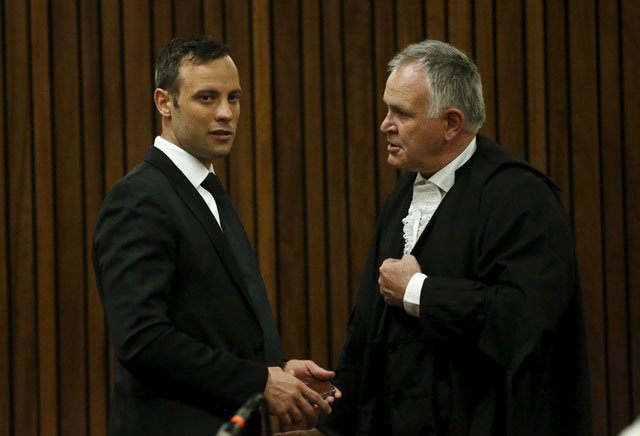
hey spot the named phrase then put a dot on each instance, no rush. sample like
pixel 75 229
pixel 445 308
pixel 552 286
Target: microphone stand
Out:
pixel 236 424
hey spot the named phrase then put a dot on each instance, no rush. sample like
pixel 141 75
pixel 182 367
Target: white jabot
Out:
pixel 192 169
pixel 427 196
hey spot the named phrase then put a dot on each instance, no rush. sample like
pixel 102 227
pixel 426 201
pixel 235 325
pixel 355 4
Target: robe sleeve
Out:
pixel 525 274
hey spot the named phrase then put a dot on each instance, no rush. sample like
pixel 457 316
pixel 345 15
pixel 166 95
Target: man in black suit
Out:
pixel 469 317
pixel 193 333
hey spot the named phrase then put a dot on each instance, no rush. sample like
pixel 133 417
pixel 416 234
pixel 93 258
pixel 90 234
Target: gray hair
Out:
pixel 453 80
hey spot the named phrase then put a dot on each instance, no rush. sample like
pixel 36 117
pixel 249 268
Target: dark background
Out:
pixel 308 172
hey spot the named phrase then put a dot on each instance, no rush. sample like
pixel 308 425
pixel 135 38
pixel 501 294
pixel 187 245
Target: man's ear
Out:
pixel 455 122
pixel 163 101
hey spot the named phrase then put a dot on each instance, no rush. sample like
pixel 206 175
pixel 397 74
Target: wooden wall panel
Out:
pixel 315 193
pixel 23 369
pixel 289 177
pixel 510 88
pixel 263 142
pixel 630 14
pixel 587 191
pixel 6 405
pixel 45 218
pixel 557 91
pixel 361 137
pixel 70 210
pixel 484 41
pixel 97 352
pixel 336 179
pixel 308 172
pixel 612 165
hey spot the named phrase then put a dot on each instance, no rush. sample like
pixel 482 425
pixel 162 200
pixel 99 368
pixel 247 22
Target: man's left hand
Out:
pixel 394 278
pixel 308 371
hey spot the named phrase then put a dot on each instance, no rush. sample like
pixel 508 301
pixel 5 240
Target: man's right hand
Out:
pixel 289 398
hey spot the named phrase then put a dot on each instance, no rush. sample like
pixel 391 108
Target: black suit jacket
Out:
pixel 189 348
pixel 499 348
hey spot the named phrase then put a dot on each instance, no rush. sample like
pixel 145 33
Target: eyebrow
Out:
pixel 217 92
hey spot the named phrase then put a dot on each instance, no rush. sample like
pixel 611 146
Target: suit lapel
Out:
pixel 198 207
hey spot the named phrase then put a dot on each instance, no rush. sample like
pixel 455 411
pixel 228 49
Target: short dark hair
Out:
pixel 198 49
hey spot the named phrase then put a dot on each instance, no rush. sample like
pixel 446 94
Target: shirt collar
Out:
pixel 190 166
pixel 446 176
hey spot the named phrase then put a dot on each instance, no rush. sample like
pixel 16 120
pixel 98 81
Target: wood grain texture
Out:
pixel 587 198
pixel 289 164
pixel 23 369
pixel 308 172
pixel 336 184
pixel 361 142
pixel 45 218
pixel 630 14
pixel 315 193
pixel 6 353
pixel 70 245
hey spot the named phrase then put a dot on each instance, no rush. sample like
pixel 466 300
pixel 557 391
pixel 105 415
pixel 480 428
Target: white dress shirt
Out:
pixel 427 196
pixel 192 169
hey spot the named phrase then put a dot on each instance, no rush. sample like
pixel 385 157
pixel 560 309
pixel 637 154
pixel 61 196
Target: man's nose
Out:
pixel 386 124
pixel 223 111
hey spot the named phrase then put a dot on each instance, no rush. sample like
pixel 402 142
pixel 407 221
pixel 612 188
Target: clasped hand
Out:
pixel 288 396
pixel 394 278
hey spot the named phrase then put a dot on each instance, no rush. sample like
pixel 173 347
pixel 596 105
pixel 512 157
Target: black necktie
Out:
pixel 238 240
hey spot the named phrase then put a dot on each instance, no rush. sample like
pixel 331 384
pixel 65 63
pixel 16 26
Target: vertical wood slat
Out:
pixel 314 168
pixel 263 138
pixel 214 18
pixel 630 14
pixel 20 255
pixel 510 92
pixel 436 19
pixel 92 146
pixel 485 60
pixel 137 71
pixel 188 17
pixel 409 23
pixel 557 109
pixel 611 155
pixel 113 112
pixel 70 248
pixel 6 355
pixel 44 216
pixel 333 106
pixel 360 136
pixel 536 101
pixel 586 193
pixel 289 179
pixel 461 25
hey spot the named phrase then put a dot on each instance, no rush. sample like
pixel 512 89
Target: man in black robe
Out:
pixel 469 318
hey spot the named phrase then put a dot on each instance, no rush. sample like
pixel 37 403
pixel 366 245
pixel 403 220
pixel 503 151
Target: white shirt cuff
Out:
pixel 411 300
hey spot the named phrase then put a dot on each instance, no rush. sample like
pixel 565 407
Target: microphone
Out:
pixel 236 424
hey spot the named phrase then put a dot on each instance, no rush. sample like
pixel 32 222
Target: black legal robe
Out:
pixel 500 347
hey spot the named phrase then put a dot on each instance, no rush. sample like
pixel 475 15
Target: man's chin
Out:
pixel 394 162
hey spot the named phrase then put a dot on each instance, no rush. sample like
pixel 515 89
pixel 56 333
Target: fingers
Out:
pixel 319 372
pixel 315 398
pixel 289 398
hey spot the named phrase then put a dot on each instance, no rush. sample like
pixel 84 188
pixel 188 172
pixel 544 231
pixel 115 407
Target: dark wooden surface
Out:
pixel 308 172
